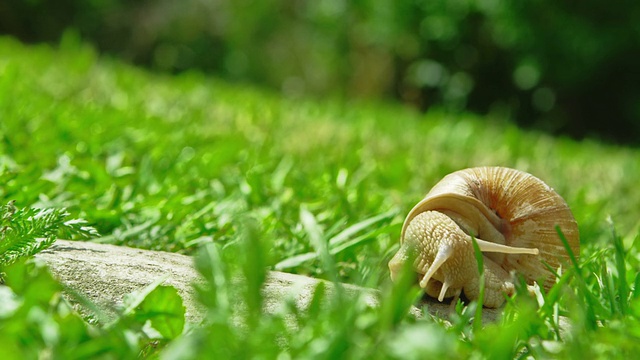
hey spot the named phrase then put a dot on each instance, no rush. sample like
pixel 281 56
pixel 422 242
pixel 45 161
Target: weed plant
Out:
pixel 25 232
pixel 249 181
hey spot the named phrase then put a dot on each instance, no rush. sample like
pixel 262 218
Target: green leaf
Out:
pixel 9 302
pixel 134 299
pixel 31 282
pixel 164 308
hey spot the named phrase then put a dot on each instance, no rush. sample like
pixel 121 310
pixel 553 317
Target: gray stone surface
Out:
pixel 106 273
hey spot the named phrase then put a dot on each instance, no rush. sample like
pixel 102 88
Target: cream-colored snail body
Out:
pixel 511 214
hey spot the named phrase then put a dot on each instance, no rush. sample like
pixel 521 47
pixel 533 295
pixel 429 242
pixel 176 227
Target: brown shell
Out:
pixel 520 206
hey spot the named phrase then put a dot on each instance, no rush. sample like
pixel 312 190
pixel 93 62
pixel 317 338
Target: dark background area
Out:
pixel 565 67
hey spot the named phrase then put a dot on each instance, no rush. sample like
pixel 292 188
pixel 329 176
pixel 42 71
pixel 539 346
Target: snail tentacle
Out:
pixel 444 253
pixel 488 246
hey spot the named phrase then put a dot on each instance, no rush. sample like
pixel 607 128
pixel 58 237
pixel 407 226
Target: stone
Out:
pixel 104 274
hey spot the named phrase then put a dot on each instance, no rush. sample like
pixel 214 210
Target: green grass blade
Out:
pixel 621 267
pixel 342 241
pixel 253 257
pixel 590 307
pixel 294 261
pixel 134 299
pixel 347 233
pixel 477 322
pixel 164 308
pixel 318 242
pixel 360 240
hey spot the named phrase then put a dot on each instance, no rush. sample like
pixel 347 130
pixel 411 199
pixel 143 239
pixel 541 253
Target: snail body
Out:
pixel 513 217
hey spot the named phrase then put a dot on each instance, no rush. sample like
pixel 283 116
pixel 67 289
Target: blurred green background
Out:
pixel 565 67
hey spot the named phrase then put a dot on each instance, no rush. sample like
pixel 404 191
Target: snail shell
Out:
pixel 512 214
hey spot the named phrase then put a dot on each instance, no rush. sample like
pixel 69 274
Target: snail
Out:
pixel 513 217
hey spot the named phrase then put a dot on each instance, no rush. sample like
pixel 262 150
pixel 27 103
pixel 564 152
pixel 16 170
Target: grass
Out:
pixel 250 181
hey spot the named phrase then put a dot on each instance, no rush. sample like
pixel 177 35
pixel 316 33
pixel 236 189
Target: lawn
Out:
pixel 191 164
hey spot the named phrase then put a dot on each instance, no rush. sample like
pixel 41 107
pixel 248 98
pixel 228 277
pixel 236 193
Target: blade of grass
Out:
pixel 134 299
pixel 209 262
pixel 341 241
pixel 591 317
pixel 396 303
pixel 347 233
pixel 549 309
pixel 318 242
pixel 131 232
pixel 477 321
pixel 294 261
pixel 254 264
pixel 636 287
pixel 620 256
pixel 360 240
